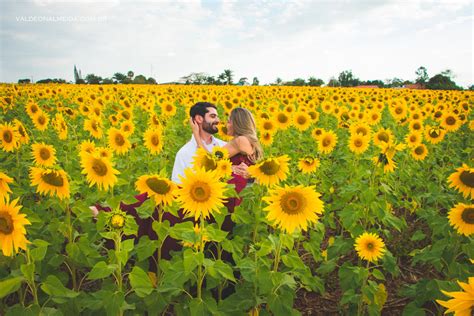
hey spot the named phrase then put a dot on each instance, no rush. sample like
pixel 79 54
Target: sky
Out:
pixel 167 40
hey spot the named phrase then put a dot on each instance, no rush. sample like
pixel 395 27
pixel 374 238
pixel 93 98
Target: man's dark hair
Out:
pixel 200 108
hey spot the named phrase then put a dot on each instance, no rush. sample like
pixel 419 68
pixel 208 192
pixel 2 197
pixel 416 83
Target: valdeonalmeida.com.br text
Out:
pixel 36 18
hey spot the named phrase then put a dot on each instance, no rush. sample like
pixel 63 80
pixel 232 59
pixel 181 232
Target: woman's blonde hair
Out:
pixel 243 124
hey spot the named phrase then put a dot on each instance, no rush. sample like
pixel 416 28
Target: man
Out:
pixel 205 115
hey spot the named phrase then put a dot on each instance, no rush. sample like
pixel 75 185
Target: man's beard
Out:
pixel 209 127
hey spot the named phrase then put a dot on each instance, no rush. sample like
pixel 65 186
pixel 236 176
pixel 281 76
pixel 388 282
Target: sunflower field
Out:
pixel 361 205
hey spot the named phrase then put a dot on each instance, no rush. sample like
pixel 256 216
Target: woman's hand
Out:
pixel 194 127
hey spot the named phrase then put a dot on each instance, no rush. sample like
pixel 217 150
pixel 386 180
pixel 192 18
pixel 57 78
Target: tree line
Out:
pixel 441 81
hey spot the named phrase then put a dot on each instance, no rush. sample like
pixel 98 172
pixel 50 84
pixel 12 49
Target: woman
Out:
pixel 244 147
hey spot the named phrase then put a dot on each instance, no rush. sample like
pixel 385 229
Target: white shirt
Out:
pixel 184 157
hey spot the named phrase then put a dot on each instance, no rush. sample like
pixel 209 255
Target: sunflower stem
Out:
pixel 200 277
pixel 277 256
pixel 360 305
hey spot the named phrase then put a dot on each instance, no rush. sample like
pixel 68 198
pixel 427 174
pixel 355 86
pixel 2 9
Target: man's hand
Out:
pixel 194 127
pixel 241 170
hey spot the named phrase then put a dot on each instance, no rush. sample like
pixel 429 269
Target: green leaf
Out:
pixel 145 248
pixel 147 209
pixel 418 235
pixel 161 229
pixel 10 285
pixel 293 261
pixel 113 303
pixel 183 231
pixel 377 274
pixel 214 234
pixel 101 270
pixel 140 282
pixel 197 308
pixel 39 252
pixel 58 292
pixel 224 270
pixel 191 260
pixel 28 271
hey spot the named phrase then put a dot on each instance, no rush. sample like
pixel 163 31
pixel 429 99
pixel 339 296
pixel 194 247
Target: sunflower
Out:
pixel 301 120
pixel 86 147
pixel 434 134
pixel 204 160
pixel 399 110
pixel 104 152
pixel 293 207
pixel 168 109
pixel 419 152
pixel 450 122
pixel 220 153
pixel 224 168
pixel 369 247
pixel 317 133
pixel 462 303
pixel 94 127
pixel 12 227
pixel 118 141
pixel 270 171
pixel 266 139
pixel 385 158
pixel 99 170
pixel 159 188
pixel 373 117
pixel 50 181
pixel 127 127
pixel 41 120
pixel 23 137
pixel 463 181
pixel 4 187
pixel 361 129
pixel 308 164
pixel 60 126
pixel 383 136
pixel 461 217
pixel 267 125
pixel 283 120
pixel 416 126
pixel 201 193
pixel 153 140
pixel 32 108
pixel 413 139
pixel 358 144
pixel 9 139
pixel 44 155
pixel 327 142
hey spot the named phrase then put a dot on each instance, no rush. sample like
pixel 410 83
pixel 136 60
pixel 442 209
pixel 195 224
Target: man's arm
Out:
pixel 178 168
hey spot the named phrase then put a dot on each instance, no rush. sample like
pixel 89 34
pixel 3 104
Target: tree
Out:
pixel 394 83
pixel 130 74
pixel 255 81
pixel 107 81
pixel 229 76
pixel 93 79
pixel 243 81
pixel 315 82
pixel 221 78
pixel 333 82
pixel 471 88
pixel 421 75
pixel 347 79
pixel 140 79
pixel 151 80
pixel 77 76
pixel 278 81
pixel 24 80
pixel 297 82
pixel 120 77
pixel 441 82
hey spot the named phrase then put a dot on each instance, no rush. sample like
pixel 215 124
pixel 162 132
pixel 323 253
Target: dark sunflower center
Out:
pixel 450 120
pixel 383 159
pixel 358 143
pixel 200 191
pixel 434 133
pixel 34 109
pixel 326 141
pixel 361 130
pixel 208 163
pixel 126 115
pixel 370 246
pixel 155 140
pixel 6 223
pixel 99 167
pixel 268 125
pixel 94 126
pixel 301 120
pixel 219 154
pixel 44 153
pixel 419 150
pixel 467 178
pixel 41 120
pixel 119 140
pixel 383 137
pixel 7 136
pixel 398 110
pixel 53 178
pixel 467 216
pixel 22 131
pixel 270 167
pixel 158 186
pixel 293 203
pixel 413 138
pixel 169 108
